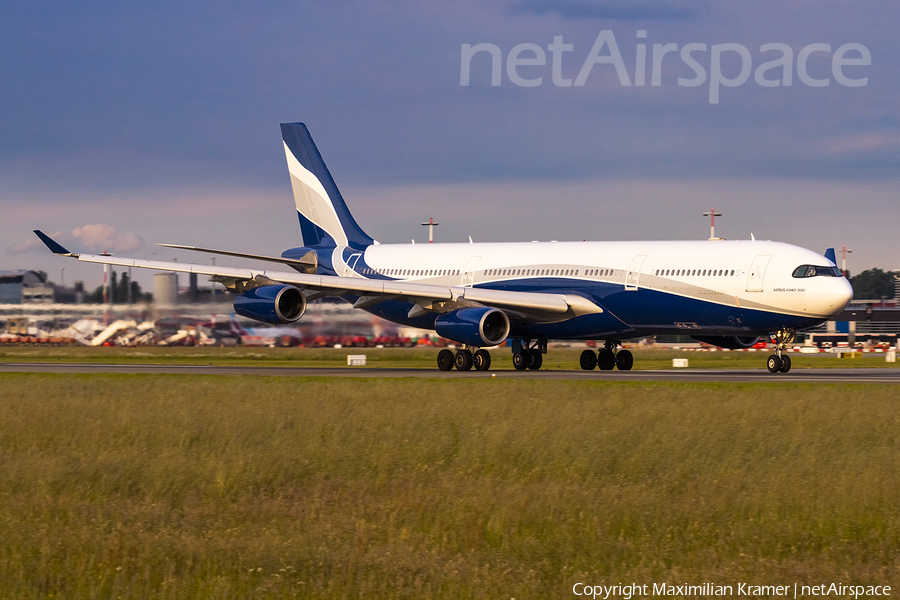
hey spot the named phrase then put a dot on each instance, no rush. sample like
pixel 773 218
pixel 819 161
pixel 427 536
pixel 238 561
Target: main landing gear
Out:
pixel 607 358
pixel 528 354
pixel 779 362
pixel 464 359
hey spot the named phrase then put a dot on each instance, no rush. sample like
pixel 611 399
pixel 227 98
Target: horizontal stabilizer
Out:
pixel 309 260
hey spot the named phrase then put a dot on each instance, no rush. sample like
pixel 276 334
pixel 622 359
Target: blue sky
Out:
pixel 123 125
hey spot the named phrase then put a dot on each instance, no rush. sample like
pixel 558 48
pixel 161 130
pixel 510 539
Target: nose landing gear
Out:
pixel 779 362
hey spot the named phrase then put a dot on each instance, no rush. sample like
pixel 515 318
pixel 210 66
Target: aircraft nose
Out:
pixel 840 294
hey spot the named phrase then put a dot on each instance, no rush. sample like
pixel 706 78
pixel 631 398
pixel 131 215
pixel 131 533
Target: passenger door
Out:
pixel 468 275
pixel 634 273
pixel 757 272
pixel 351 264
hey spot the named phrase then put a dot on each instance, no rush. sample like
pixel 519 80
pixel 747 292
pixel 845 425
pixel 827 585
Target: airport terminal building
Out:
pixel 24 287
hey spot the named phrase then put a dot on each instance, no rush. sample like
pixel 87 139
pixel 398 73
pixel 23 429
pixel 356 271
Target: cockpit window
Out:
pixel 816 271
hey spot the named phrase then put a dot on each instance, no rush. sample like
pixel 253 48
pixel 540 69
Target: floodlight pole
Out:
pixel 105 278
pixel 105 289
pixel 712 214
pixel 844 252
pixel 431 225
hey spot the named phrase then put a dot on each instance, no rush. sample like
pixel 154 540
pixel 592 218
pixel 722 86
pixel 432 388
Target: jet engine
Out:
pixel 275 304
pixel 732 342
pixel 477 327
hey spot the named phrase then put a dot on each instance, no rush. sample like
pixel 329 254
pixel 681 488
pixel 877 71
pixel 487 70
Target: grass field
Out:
pixel 130 486
pixel 412 358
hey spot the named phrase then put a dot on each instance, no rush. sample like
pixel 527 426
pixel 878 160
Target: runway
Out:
pixel 878 375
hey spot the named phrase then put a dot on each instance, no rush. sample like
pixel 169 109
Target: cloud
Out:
pixel 629 10
pixel 99 237
pixel 104 237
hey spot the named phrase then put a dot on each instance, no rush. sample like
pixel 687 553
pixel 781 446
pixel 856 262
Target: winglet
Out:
pixel 829 254
pixel 54 246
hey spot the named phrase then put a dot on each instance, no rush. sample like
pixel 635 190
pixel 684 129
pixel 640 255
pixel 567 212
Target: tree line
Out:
pixel 873 284
pixel 118 291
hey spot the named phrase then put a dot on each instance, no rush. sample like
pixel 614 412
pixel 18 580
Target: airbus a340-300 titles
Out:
pixel 727 293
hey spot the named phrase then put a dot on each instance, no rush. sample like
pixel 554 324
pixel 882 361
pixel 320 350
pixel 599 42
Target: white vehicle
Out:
pixel 727 293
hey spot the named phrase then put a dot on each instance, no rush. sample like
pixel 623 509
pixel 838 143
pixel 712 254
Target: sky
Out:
pixel 123 125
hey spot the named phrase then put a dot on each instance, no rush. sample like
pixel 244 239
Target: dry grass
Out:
pixel 230 487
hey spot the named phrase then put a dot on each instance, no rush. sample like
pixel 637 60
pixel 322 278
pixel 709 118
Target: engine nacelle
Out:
pixel 275 304
pixel 477 327
pixel 732 342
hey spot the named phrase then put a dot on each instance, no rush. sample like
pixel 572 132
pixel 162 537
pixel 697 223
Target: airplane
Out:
pixel 479 295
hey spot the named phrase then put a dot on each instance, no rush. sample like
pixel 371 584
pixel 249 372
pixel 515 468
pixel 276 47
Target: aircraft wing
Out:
pixel 427 297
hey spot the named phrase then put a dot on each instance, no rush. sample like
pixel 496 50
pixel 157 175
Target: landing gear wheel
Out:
pixel 624 360
pixel 445 360
pixel 785 364
pixel 482 360
pixel 521 360
pixel 463 360
pixel 588 360
pixel 536 360
pixel 606 360
pixel 779 362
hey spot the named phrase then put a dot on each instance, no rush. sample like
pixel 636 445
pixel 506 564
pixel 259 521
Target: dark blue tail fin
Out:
pixel 324 217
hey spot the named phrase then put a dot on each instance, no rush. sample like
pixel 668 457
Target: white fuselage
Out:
pixel 740 274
